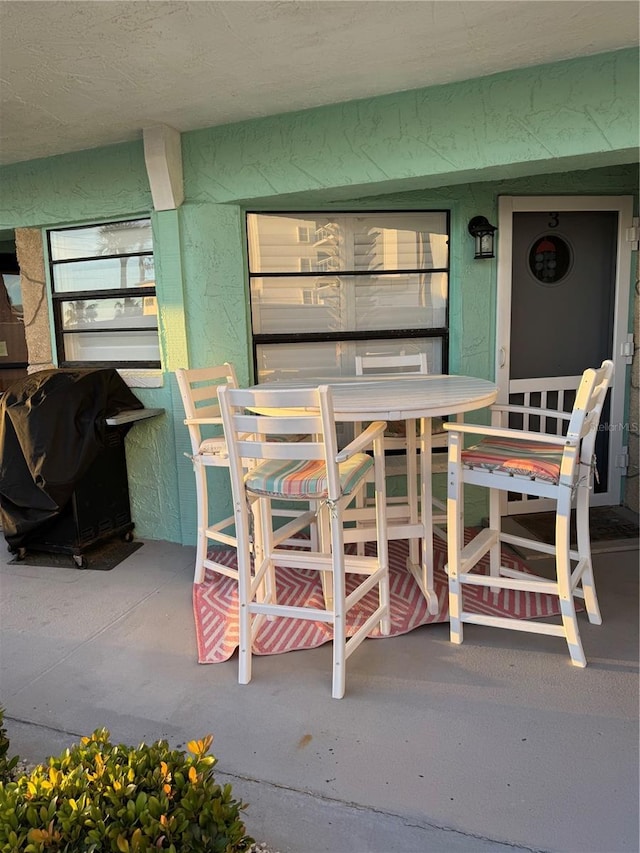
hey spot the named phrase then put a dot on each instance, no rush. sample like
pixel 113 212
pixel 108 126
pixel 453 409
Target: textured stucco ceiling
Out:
pixel 77 75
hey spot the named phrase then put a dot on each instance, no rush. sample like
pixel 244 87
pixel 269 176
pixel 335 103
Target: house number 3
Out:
pixel 554 221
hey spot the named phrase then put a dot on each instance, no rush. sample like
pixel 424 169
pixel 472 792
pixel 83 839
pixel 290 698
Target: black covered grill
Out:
pixel 63 474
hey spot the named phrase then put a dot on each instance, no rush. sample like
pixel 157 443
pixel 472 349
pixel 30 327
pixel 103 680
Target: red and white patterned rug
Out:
pixel 215 605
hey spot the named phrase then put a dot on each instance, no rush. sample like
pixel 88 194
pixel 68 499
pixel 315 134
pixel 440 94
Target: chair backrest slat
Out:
pixel 209 411
pixel 260 449
pixel 207 394
pixel 199 388
pixel 405 364
pixel 587 409
pixel 279 424
pixel 599 381
pixel 258 420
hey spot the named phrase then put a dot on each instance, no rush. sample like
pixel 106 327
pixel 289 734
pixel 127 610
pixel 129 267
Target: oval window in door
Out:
pixel 550 259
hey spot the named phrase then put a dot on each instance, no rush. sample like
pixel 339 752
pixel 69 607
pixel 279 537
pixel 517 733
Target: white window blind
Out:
pixel 104 303
pixel 361 282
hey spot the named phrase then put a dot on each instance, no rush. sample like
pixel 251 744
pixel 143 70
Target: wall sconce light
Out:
pixel 482 232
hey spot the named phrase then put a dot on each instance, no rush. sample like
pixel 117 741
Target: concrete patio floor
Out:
pixel 496 744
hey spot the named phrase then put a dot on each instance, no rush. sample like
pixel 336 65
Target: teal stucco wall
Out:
pixel 567 128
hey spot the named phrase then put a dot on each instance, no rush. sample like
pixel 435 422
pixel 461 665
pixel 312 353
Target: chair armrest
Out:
pixel 531 410
pixel 203 421
pixel 362 441
pixel 506 432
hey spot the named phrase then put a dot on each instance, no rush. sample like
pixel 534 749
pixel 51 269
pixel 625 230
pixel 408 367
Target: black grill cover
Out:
pixel 52 427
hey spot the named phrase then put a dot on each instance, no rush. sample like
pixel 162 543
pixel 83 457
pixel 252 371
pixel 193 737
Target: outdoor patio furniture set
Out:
pixel 302 500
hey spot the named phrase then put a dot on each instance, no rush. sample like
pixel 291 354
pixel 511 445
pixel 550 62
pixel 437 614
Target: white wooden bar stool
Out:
pixel 199 391
pixel 310 469
pixel 401 437
pixel 544 464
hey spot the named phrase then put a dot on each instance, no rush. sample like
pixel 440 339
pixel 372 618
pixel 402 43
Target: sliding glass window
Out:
pixel 104 295
pixel 327 287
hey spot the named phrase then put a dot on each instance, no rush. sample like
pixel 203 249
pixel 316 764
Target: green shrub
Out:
pixel 99 797
pixel 6 764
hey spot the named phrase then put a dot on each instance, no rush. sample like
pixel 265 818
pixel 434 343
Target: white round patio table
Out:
pixel 396 398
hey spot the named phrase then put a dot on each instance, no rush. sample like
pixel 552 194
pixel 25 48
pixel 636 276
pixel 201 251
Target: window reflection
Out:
pixel 110 313
pixel 342 275
pixel 103 280
pixel 359 242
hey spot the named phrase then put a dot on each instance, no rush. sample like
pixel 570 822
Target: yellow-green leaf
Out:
pixel 38 835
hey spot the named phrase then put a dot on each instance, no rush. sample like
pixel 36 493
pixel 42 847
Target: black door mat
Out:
pixel 102 557
pixel 606 523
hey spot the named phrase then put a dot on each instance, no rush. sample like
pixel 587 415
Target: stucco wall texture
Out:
pixel 568 128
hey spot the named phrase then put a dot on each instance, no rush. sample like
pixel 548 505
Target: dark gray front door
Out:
pixel 563 290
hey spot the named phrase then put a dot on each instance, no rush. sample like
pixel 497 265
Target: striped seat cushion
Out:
pixel 304 479
pixel 531 459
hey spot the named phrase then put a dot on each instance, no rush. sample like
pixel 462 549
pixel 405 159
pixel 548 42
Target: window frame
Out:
pixel 58 298
pixel 261 338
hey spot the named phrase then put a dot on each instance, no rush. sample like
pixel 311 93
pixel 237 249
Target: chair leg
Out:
pixel 202 521
pixel 495 523
pixel 262 546
pixel 244 601
pixel 455 603
pixel 382 546
pixel 412 485
pixel 339 615
pixel 360 503
pixel 565 591
pixel 324 533
pixel 314 536
pixel 584 556
pixel 455 536
pixel 318 534
pixel 384 599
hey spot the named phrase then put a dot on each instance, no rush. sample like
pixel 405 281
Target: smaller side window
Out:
pixel 104 295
